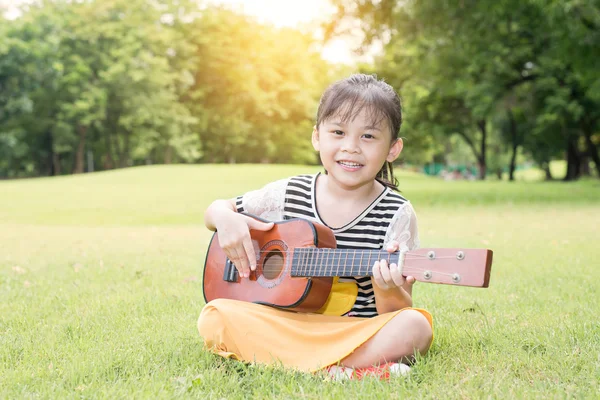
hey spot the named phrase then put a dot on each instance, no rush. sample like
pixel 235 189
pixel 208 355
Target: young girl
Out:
pixel 356 135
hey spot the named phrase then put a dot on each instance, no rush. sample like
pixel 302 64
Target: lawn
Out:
pixel 100 290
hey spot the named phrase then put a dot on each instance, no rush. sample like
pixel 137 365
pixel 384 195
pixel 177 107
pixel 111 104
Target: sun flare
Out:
pixel 295 14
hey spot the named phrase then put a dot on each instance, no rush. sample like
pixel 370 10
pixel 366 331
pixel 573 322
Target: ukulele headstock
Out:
pixel 462 267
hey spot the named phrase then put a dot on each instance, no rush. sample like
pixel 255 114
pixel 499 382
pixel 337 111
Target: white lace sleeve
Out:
pixel 403 228
pixel 267 203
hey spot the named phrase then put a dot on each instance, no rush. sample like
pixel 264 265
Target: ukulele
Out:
pixel 297 259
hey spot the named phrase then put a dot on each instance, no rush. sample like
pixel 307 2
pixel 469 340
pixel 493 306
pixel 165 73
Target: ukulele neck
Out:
pixel 325 262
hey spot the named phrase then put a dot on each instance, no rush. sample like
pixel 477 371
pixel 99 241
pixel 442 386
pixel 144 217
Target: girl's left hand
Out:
pixel 389 276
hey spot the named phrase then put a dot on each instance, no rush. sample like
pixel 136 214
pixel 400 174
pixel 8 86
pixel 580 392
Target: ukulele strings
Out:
pixel 408 256
pixel 306 268
pixel 349 251
pixel 415 273
pixel 343 272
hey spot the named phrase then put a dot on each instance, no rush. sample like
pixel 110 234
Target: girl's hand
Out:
pixel 233 231
pixel 388 276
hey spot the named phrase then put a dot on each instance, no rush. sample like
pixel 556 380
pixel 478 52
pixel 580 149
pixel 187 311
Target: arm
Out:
pixel 216 211
pixel 233 231
pixel 392 290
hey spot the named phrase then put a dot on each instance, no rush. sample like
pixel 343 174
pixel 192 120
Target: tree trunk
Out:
pixel 515 146
pixel 482 161
pixel 109 161
pixel 124 155
pixel 168 158
pixel 113 115
pixel 80 153
pixel 50 148
pixel 584 164
pixel 499 173
pixel 591 147
pixel 573 160
pixel 546 168
pixel 56 164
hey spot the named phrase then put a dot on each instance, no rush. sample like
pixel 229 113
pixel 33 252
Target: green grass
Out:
pixel 178 195
pixel 100 290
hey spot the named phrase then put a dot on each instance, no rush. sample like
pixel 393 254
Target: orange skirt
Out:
pixel 266 335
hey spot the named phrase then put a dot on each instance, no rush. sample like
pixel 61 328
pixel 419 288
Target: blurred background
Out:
pixel 491 89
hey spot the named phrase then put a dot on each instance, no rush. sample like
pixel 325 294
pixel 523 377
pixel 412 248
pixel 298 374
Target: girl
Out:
pixel 356 135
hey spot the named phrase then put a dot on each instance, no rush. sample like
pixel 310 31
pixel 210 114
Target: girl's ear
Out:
pixel 395 150
pixel 315 138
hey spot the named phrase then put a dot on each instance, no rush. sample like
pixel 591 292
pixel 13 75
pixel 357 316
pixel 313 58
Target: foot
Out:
pixel 383 372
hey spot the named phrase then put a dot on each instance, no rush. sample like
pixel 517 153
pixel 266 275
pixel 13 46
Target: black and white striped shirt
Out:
pixel 389 217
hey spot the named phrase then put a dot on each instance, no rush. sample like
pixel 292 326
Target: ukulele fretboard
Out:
pixel 337 262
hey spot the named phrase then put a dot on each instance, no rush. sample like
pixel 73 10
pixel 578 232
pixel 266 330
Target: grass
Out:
pixel 100 290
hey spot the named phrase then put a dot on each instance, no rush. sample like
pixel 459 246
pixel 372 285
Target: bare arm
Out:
pixel 233 231
pixel 392 291
pixel 216 211
pixel 392 299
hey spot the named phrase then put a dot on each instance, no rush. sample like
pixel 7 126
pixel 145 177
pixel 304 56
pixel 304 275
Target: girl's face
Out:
pixel 354 152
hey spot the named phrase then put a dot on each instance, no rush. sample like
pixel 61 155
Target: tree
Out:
pixel 132 82
pixel 468 58
pixel 256 90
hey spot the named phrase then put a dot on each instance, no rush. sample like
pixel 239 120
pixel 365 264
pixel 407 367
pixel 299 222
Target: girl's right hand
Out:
pixel 233 232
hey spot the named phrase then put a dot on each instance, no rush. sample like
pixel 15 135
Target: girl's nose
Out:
pixel 350 145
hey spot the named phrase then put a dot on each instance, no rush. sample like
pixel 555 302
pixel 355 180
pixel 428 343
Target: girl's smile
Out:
pixel 350 165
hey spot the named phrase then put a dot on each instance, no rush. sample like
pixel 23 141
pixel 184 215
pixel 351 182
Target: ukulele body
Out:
pixel 271 283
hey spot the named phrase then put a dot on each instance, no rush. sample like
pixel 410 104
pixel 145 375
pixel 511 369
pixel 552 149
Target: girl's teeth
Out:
pixel 349 164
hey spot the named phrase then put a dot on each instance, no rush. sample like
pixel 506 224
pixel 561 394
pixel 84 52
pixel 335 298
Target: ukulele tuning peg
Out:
pixel 431 255
pixel 455 278
pixel 427 275
pixel 460 255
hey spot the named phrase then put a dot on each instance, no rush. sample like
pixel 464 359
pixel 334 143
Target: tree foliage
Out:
pixel 125 82
pixel 113 83
pixel 523 73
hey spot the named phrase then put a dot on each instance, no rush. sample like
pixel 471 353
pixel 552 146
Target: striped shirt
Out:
pixel 370 230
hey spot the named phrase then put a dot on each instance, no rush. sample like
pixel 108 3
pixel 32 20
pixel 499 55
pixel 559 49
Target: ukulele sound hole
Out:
pixel 273 264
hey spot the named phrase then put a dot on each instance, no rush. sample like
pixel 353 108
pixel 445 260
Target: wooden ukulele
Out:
pixel 297 260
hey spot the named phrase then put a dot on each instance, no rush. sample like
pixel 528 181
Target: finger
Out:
pixel 377 276
pixel 232 256
pixel 250 253
pixel 396 275
pixel 259 225
pixel 408 285
pixel 409 281
pixel 385 273
pixel 392 246
pixel 241 262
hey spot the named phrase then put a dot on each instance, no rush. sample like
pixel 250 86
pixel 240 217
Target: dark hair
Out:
pixel 348 97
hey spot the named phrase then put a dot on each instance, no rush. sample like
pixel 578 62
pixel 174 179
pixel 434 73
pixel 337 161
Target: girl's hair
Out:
pixel 348 97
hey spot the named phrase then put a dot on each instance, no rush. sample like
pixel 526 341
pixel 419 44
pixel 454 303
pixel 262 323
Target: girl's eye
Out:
pixel 368 136
pixel 338 132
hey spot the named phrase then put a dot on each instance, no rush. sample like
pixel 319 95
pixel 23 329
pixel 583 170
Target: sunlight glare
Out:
pixel 295 14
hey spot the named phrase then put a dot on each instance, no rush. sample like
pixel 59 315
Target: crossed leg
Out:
pixel 407 333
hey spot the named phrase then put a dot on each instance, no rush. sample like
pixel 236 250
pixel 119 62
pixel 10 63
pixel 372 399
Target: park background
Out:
pixel 129 117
